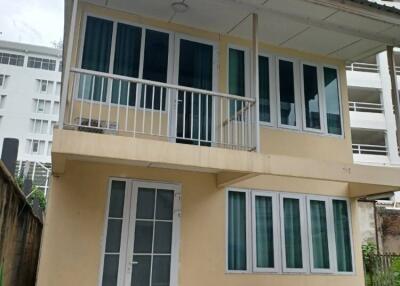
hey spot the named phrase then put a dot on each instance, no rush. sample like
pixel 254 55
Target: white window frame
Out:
pixel 129 214
pixel 33 146
pixel 320 96
pixel 276 231
pixel 348 202
pixel 115 21
pixel 43 83
pixel 342 135
pixel 297 97
pixel 279 249
pixel 3 81
pixel 248 231
pixel 330 230
pixel 303 230
pixel 247 68
pixel 272 90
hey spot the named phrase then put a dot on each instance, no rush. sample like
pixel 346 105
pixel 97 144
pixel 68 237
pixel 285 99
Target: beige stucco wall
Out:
pixel 71 250
pixel 272 140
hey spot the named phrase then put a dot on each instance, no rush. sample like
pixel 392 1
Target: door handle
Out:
pixel 134 262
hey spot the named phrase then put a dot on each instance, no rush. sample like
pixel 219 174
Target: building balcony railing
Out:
pixel 107 103
pixel 366 149
pixel 363 67
pixel 397 70
pixel 365 107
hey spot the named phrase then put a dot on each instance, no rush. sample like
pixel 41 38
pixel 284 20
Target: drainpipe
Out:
pixel 67 63
pixel 255 79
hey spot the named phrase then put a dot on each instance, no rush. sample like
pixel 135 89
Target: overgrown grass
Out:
pixel 1 275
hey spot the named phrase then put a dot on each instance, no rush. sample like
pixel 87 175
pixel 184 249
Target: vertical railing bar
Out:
pixel 236 124
pixel 137 104
pixel 91 103
pixel 152 110
pixel 199 118
pixel 109 99
pixel 176 93
pixel 83 95
pixel 213 119
pixel 228 123
pixel 101 102
pixel 144 107
pixel 161 103
pixel 221 100
pixel 242 121
pixel 184 115
pixel 168 108
pixel 207 118
pixel 119 103
pixel 128 96
pixel 73 96
pixel 191 116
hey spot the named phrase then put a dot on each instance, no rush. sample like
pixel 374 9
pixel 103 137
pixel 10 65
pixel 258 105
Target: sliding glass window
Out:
pixel 287 97
pixel 264 89
pixel 126 63
pixel 342 236
pixel 319 236
pixel 96 57
pixel 293 239
pixel 332 99
pixel 155 67
pixel 311 97
pixel 237 226
pixel 265 217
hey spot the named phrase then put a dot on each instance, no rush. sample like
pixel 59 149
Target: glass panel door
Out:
pixel 194 110
pixel 139 235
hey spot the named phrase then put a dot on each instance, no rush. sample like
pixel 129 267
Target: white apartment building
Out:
pixel 30 84
pixel 373 124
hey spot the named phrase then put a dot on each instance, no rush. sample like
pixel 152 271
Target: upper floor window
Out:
pixel 45 86
pixel 39 126
pixel 60 66
pixel 129 52
pixel 2 100
pixel 35 147
pixel 287 232
pixel 11 59
pixel 307 95
pixel 3 80
pixel 41 106
pixel 40 63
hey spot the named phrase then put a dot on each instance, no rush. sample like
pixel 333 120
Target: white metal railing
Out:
pixel 367 149
pixel 37 172
pixel 365 107
pixel 363 67
pixel 108 103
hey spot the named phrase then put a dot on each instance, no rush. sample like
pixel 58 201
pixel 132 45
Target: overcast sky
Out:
pixel 37 22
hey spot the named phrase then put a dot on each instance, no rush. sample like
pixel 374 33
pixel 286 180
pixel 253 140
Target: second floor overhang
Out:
pixel 229 166
pixel 348 30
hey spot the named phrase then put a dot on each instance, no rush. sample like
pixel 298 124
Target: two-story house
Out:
pixel 207 142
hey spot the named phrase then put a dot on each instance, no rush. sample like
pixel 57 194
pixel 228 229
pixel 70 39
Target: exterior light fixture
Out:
pixel 180 7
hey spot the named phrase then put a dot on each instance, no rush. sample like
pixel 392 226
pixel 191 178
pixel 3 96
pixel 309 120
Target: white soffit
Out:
pixel 210 15
pixel 295 24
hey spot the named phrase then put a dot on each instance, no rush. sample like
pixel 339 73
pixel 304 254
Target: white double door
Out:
pixel 141 235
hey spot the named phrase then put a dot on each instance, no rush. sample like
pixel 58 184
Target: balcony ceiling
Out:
pixel 348 29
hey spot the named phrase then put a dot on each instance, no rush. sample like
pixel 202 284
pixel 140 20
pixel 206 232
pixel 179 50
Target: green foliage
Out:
pixel 20 181
pixel 369 255
pixel 39 195
pixel 396 270
pixel 1 275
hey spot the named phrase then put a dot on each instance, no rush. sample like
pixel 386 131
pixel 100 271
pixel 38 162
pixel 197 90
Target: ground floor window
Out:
pixel 289 233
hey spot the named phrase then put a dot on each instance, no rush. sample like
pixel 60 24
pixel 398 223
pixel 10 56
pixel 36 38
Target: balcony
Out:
pixel 370 147
pixel 366 108
pixel 112 104
pixel 364 74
